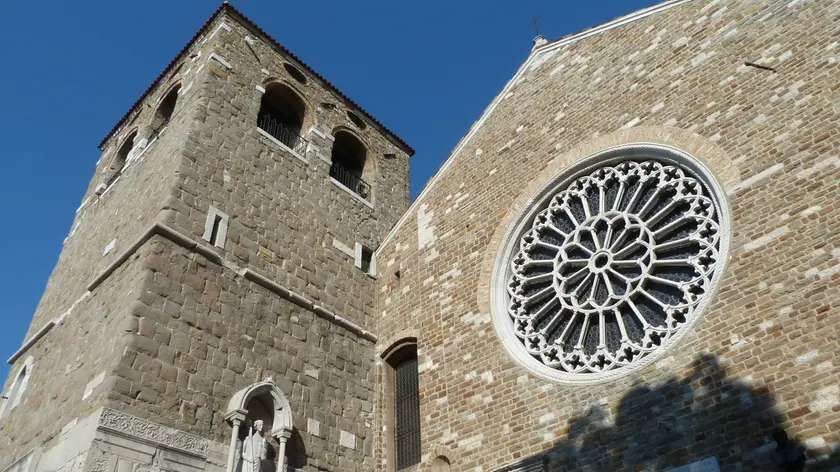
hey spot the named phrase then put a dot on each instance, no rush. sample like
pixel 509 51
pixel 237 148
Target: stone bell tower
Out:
pixel 212 306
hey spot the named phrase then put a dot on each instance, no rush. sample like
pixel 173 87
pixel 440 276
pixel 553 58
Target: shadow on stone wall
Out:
pixel 296 451
pixel 680 421
pixel 296 457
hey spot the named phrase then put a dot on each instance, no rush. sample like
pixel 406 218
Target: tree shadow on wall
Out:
pixel 677 422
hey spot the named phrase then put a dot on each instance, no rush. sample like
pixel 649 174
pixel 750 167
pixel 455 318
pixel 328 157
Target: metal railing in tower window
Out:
pixel 281 132
pixel 156 132
pixel 350 180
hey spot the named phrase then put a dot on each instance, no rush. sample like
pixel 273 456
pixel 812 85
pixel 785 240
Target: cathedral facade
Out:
pixel 626 264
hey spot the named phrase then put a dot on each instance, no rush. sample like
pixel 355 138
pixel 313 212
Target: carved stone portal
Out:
pixel 261 418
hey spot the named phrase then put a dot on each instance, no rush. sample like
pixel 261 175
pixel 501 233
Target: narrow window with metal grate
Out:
pixel 407 412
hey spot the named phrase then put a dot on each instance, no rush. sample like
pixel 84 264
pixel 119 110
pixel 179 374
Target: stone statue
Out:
pixel 253 448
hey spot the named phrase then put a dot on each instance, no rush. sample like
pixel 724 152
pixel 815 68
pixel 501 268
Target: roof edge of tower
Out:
pixel 537 51
pixel 226 7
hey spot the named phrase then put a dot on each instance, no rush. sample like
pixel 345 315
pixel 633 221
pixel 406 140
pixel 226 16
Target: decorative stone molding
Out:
pixel 435 452
pixel 539 54
pixel 392 342
pixel 281 420
pixel 155 229
pixel 26 464
pixel 119 422
pixel 31 341
pixel 220 60
pixel 307 304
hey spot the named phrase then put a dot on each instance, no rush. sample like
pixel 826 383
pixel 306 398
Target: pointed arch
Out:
pixel 121 157
pixel 257 396
pixel 350 165
pixel 18 387
pixel 282 410
pixel 403 446
pixel 165 109
pixel 282 114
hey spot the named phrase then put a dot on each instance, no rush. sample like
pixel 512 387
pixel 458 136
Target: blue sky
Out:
pixel 426 69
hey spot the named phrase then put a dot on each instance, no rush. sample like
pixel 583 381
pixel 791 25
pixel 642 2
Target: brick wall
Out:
pixel 764 353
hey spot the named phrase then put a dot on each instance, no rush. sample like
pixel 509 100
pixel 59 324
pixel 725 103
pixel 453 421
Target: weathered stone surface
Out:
pixel 675 77
pixel 175 329
pixel 164 341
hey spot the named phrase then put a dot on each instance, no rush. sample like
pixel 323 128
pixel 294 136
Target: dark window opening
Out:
pixel 367 260
pixel 165 110
pixel 406 409
pixel 122 155
pixel 348 163
pixel 214 233
pixel 281 116
pixel 295 73
pixel 356 120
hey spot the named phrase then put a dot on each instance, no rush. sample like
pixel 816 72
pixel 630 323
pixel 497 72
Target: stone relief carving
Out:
pixel 140 428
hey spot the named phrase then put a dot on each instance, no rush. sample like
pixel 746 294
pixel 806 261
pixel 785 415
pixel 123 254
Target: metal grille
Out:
pixel 532 464
pixel 281 131
pixel 407 414
pixel 350 180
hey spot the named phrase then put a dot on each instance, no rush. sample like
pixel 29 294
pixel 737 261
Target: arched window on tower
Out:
pixel 15 395
pixel 122 155
pixel 402 405
pixel 281 116
pixel 165 110
pixel 348 163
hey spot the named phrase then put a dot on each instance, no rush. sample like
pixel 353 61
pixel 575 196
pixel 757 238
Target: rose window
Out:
pixel 612 265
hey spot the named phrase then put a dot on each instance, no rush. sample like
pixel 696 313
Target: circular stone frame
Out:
pixel 509 245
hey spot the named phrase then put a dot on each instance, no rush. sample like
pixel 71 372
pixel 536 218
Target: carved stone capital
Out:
pixel 282 435
pixel 236 416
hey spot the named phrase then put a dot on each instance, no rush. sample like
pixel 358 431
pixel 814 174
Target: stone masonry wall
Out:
pixel 73 367
pixel 106 224
pixel 764 354
pixel 183 333
pixel 70 355
pixel 288 220
pixel 201 332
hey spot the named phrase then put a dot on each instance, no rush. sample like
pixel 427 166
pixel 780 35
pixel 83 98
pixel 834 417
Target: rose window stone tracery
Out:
pixel 613 265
